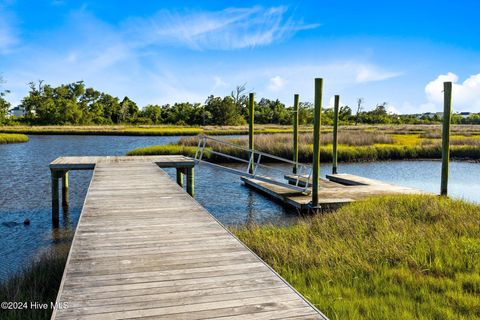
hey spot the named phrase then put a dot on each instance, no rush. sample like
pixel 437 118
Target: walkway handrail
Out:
pixel 254 164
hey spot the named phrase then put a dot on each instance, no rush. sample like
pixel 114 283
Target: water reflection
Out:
pixel 250 221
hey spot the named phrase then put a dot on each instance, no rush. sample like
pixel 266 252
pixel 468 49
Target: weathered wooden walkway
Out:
pixel 144 248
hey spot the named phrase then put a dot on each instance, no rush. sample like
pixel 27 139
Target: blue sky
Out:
pixel 160 52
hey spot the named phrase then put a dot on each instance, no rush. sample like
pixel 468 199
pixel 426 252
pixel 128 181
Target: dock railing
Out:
pixel 254 163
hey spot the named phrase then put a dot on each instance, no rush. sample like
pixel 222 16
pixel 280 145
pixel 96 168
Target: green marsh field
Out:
pixel 356 143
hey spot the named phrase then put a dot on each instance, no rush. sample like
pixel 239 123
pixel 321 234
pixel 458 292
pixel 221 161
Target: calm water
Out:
pixel 25 189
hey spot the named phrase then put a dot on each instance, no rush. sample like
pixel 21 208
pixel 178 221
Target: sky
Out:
pixel 158 52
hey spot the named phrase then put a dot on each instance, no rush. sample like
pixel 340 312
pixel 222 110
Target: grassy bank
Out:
pixel 360 144
pixel 12 138
pixel 426 131
pixel 121 130
pixel 37 282
pixel 402 257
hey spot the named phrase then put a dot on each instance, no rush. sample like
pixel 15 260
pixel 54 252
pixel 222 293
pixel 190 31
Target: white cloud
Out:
pixel 219 83
pixel 392 109
pixel 231 28
pixel 276 83
pixel 368 73
pixel 465 95
pixel 115 59
pixel 331 102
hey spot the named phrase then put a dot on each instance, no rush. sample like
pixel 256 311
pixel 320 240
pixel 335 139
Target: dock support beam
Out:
pixel 65 189
pixel 251 119
pixel 316 141
pixel 180 177
pixel 55 198
pixel 295 132
pixel 447 113
pixel 191 181
pixel 335 133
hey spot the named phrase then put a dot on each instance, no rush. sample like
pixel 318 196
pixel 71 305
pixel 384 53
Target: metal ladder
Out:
pixel 253 163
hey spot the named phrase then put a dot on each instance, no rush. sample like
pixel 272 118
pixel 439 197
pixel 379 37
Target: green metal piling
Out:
pixel 55 197
pixel 447 114
pixel 316 141
pixel 191 181
pixel 65 201
pixel 251 118
pixel 335 133
pixel 179 172
pixel 295 132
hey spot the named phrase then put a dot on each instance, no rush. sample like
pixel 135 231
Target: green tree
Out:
pixel 152 112
pixel 345 114
pixel 111 108
pixel 4 104
pixel 128 110
pixel 272 111
pixel 223 111
pixel 66 100
pixel 305 113
pixel 240 98
pixel 91 108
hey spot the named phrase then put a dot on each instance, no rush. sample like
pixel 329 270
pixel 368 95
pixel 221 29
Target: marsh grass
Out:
pixel 168 149
pixel 124 130
pixel 266 141
pixel 281 145
pixel 159 130
pixel 356 143
pixel 12 138
pixel 39 282
pixel 395 257
pixel 453 142
pixel 377 152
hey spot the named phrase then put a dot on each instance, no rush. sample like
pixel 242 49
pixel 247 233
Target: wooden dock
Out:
pixel 144 248
pixel 336 190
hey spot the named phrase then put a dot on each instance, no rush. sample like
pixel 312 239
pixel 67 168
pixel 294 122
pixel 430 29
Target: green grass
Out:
pixel 164 150
pixel 165 130
pixel 12 138
pixel 358 146
pixel 38 282
pixel 423 131
pixel 396 257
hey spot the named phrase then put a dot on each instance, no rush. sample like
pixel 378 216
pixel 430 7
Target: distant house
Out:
pixel 430 115
pixel 17 112
pixel 465 114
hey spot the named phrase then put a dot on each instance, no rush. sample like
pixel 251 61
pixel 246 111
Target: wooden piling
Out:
pixel 447 113
pixel 55 197
pixel 295 132
pixel 65 200
pixel 180 177
pixel 316 141
pixel 335 133
pixel 251 119
pixel 191 181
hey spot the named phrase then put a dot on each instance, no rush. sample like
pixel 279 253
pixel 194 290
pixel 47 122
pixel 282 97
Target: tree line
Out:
pixel 76 104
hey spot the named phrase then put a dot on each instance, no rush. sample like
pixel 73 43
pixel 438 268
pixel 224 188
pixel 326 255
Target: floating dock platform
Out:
pixel 336 190
pixel 144 248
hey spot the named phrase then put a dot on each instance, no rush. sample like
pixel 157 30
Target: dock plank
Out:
pixel 144 248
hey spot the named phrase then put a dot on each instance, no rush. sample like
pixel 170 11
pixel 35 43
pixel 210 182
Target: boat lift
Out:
pixel 207 144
